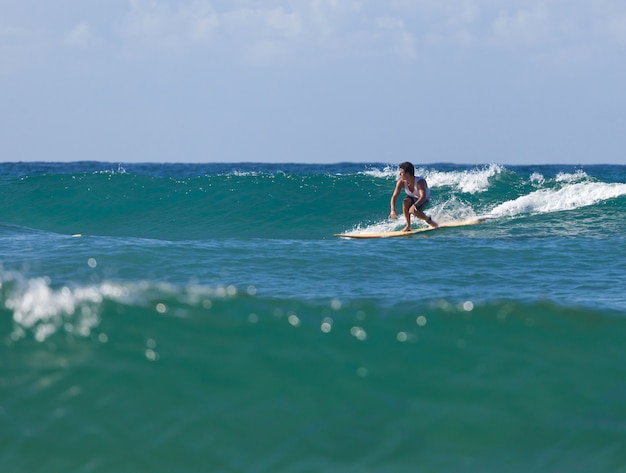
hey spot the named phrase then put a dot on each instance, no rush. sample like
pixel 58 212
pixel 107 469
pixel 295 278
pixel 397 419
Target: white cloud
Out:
pixel 257 34
pixel 332 17
pixel 262 35
pixel 402 41
pixel 460 15
pixel 158 25
pixel 81 36
pixel 525 26
pixel 261 23
pixel 288 24
pixel 263 31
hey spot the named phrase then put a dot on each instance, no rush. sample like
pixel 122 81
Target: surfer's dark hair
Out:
pixel 408 168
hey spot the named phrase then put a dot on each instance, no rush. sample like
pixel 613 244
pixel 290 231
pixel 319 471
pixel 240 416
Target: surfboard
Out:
pixel 400 233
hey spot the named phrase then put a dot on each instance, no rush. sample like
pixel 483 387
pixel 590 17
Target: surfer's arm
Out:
pixel 394 197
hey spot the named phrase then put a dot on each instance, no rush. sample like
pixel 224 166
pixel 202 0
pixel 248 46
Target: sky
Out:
pixel 313 81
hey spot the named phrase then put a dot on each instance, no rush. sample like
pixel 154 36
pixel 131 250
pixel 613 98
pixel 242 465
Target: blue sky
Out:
pixel 321 81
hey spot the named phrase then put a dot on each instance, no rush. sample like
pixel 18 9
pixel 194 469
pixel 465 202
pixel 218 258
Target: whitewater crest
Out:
pixel 569 197
pixel 43 310
pixel 470 181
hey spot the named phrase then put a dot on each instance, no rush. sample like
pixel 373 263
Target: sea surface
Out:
pixel 204 318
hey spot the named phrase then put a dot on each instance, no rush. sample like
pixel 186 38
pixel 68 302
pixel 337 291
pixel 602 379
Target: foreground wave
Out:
pixel 225 380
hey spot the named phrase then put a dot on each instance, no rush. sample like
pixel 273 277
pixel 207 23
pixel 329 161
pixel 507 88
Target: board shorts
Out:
pixel 421 207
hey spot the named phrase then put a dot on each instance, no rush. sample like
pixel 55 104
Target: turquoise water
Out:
pixel 203 317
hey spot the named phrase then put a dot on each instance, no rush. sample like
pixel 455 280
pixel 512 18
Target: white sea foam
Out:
pixel 41 309
pixel 379 227
pixel 469 181
pixel 453 210
pixel 537 178
pixel 568 197
pixel 385 173
pixel 578 176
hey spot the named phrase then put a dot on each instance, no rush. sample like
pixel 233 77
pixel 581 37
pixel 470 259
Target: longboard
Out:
pixel 400 233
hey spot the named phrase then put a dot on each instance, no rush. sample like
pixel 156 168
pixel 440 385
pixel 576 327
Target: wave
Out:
pixel 274 201
pixel 40 309
pixel 220 379
pixel 564 191
pixel 470 181
pixel 569 197
pixel 127 347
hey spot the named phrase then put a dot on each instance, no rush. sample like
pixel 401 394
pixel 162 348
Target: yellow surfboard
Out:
pixel 400 233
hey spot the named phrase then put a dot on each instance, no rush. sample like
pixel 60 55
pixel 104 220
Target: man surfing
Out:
pixel 417 196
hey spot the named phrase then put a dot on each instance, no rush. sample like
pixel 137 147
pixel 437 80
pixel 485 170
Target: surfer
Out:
pixel 417 196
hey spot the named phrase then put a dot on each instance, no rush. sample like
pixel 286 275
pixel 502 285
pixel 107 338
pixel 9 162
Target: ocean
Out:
pixel 204 318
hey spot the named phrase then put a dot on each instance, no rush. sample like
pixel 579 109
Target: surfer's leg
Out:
pixel 419 213
pixel 422 216
pixel 407 203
